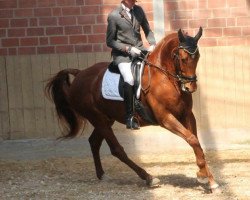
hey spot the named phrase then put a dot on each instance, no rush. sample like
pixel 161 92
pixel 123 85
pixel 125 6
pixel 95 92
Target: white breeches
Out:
pixel 125 69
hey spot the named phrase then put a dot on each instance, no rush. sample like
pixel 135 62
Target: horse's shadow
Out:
pixel 184 182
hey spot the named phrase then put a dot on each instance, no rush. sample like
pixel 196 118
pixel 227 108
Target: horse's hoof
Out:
pixel 105 177
pixel 154 182
pixel 215 188
pixel 202 180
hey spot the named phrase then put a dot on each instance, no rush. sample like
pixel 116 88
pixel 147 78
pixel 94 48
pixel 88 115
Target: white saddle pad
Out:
pixel 110 84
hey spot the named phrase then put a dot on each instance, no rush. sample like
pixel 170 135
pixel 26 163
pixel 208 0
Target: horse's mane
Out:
pixel 166 39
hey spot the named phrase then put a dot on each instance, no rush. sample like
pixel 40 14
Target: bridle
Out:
pixel 178 76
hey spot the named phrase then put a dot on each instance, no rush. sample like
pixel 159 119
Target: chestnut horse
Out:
pixel 169 78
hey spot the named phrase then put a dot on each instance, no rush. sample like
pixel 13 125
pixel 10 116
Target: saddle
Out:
pixel 137 67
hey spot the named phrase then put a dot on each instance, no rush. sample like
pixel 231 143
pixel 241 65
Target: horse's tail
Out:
pixel 57 90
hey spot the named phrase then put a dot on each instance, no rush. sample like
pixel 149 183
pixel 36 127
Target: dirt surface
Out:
pixel 74 177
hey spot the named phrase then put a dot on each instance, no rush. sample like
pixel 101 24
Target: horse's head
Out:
pixel 186 58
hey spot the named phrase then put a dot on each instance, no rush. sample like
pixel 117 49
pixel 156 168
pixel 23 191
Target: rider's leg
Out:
pixel 125 69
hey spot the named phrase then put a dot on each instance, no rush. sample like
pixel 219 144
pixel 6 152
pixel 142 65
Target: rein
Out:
pixel 178 76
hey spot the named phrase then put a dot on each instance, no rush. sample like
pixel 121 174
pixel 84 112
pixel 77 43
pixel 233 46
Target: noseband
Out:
pixel 178 76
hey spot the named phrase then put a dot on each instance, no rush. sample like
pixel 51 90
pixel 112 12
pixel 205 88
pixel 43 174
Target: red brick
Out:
pixel 236 41
pixel 33 22
pixel 183 15
pixel 187 5
pixel 208 42
pixel 224 12
pixel 88 19
pixel 176 24
pixel 171 6
pixel 243 21
pixel 65 2
pixel 110 2
pixel 48 21
pixel 101 19
pixel 57 11
pixel 65 49
pixel 73 30
pixel 6 13
pixel 3 33
pixel 43 40
pixel 83 48
pixel 12 51
pixel 26 50
pixel 78 39
pixel 217 4
pixel 219 22
pixel 10 42
pixel 28 41
pixel 106 48
pixel 79 2
pixel 239 12
pixel 87 10
pixel 231 22
pixel 222 41
pixel 87 29
pixel 67 21
pixel 202 14
pixel 58 40
pixel 97 47
pixel 26 12
pixel 4 23
pixel 70 11
pixel 202 4
pixel 3 52
pixel 233 31
pixel 16 32
pixel 8 4
pixel 234 3
pixel 245 31
pixel 197 23
pixel 46 3
pixel 46 50
pixel 54 31
pixel 19 22
pixel 99 28
pixel 96 38
pixel 213 32
pixel 27 3
pixel 93 2
pixel 42 12
pixel 35 31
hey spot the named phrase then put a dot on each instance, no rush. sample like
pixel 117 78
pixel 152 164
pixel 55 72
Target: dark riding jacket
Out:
pixel 122 32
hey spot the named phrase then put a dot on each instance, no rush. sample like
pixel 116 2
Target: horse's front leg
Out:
pixel 187 130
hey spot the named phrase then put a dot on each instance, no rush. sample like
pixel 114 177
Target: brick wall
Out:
pixel 71 26
pixel 55 26
pixel 225 22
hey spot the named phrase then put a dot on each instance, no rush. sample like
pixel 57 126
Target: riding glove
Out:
pixel 134 52
pixel 151 48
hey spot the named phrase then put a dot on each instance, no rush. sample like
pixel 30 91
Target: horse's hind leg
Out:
pixel 118 151
pixel 95 141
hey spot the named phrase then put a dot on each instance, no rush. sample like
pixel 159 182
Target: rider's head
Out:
pixel 129 3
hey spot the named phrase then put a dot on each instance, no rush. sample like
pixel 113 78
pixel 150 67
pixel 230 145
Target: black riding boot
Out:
pixel 131 121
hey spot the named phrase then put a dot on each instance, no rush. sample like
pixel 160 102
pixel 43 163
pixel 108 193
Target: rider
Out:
pixel 123 36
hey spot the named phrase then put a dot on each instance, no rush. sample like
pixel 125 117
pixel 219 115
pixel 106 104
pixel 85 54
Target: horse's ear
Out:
pixel 198 35
pixel 181 36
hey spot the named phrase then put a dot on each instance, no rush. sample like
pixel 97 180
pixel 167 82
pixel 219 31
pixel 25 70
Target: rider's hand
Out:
pixel 151 48
pixel 134 52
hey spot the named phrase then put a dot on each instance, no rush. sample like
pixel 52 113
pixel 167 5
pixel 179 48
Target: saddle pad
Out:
pixel 110 85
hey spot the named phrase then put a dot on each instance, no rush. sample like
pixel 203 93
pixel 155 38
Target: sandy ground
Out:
pixel 45 169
